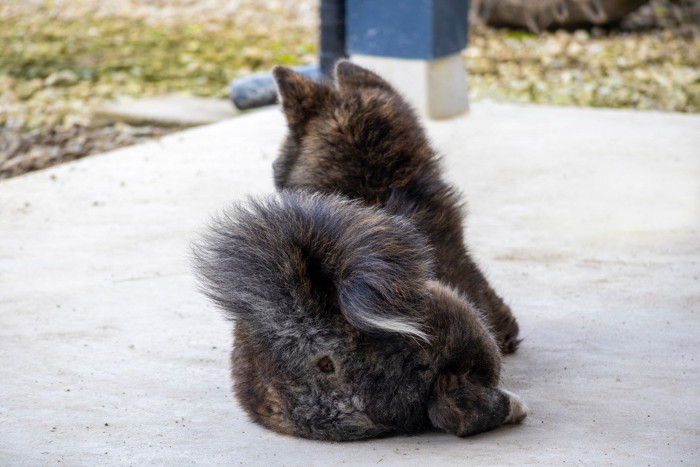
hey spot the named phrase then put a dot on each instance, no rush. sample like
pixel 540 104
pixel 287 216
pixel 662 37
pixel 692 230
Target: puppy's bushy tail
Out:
pixel 276 263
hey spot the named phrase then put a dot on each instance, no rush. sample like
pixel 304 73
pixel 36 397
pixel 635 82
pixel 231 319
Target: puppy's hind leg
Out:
pixel 498 314
pixel 504 323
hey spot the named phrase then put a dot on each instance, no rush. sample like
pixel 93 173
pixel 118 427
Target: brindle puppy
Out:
pixel 342 330
pixel 362 139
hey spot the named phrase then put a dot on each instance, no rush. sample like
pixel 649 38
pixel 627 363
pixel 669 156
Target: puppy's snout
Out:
pixel 518 409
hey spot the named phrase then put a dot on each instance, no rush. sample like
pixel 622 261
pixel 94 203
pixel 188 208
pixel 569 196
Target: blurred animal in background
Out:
pixel 543 14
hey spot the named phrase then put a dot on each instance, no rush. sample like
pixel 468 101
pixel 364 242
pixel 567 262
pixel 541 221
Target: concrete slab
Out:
pixel 175 110
pixel 587 220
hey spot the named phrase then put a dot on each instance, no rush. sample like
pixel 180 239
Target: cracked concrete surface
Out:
pixel 587 221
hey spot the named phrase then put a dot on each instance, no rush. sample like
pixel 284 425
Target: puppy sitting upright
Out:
pixel 361 139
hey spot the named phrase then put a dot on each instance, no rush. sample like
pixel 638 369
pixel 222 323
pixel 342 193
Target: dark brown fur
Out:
pixel 361 139
pixel 342 331
pixel 358 317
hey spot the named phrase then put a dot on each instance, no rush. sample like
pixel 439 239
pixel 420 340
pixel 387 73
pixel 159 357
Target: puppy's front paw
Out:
pixel 518 409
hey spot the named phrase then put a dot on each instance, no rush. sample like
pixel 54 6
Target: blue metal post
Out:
pixel 413 29
pixel 332 35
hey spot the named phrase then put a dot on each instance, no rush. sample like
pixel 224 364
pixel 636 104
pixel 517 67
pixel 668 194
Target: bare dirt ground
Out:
pixel 63 58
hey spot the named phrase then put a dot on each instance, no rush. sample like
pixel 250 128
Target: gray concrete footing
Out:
pixel 436 88
pixel 173 110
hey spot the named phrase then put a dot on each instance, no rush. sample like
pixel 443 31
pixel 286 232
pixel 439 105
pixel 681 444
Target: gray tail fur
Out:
pixel 279 261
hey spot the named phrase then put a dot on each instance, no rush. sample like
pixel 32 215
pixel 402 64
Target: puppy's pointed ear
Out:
pixel 301 97
pixel 349 76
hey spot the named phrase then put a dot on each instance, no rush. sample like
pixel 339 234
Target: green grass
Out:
pixel 159 58
pixel 112 56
